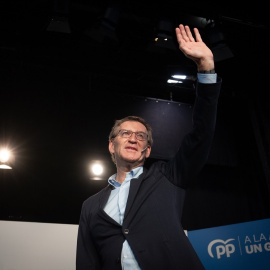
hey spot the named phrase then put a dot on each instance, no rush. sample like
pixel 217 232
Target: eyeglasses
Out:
pixel 141 136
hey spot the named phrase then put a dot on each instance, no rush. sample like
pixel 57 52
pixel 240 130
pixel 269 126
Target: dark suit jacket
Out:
pixel 152 221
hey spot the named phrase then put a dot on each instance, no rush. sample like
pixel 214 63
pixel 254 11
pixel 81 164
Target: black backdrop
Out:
pixel 56 124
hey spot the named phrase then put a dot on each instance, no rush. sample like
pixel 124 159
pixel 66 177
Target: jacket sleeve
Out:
pixel 86 254
pixel 195 147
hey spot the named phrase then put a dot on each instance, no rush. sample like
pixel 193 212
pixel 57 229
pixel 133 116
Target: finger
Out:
pixel 179 34
pixel 189 34
pixel 180 29
pixel 197 35
pixel 183 32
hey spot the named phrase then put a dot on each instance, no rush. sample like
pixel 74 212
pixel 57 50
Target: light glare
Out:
pixel 173 81
pixel 4 155
pixel 181 77
pixel 4 166
pixel 97 169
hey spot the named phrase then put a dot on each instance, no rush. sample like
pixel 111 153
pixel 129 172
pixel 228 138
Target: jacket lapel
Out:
pixel 105 196
pixel 103 200
pixel 133 190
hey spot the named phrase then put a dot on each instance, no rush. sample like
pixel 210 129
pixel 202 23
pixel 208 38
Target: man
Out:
pixel 135 222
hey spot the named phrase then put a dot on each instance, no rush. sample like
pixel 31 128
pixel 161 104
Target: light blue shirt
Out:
pixel 117 201
pixel 115 208
pixel 207 78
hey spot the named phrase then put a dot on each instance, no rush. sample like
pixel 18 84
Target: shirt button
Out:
pixel 126 231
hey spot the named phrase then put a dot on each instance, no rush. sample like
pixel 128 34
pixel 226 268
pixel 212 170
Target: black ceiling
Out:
pixel 27 43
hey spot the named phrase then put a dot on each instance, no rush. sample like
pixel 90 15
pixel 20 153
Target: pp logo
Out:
pixel 221 248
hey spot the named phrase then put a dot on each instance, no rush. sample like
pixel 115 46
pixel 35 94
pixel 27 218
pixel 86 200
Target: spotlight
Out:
pixel 97 170
pixel 164 38
pixel 5 158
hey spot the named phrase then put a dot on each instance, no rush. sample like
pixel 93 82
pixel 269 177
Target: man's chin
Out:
pixel 134 160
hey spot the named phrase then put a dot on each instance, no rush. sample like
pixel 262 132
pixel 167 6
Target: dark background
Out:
pixel 61 92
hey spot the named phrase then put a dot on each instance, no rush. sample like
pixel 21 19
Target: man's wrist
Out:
pixel 207 78
pixel 211 71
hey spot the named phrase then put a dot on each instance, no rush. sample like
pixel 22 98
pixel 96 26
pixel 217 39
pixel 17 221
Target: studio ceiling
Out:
pixel 132 65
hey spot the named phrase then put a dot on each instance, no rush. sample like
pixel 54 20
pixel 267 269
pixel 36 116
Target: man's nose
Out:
pixel 133 137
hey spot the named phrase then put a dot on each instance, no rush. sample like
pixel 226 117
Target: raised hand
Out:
pixel 195 49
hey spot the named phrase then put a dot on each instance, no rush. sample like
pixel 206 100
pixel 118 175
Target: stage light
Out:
pixel 5 159
pixel 178 74
pixel 164 37
pixel 173 81
pixel 59 21
pixel 97 170
pixel 181 77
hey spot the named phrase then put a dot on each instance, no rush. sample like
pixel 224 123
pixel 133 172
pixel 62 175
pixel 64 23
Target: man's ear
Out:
pixel 111 146
pixel 148 151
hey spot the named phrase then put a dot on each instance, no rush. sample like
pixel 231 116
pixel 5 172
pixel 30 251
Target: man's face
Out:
pixel 130 150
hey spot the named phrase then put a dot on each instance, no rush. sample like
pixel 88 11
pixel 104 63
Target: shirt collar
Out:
pixel 134 173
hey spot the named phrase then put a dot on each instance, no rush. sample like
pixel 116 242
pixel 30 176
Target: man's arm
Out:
pixel 193 152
